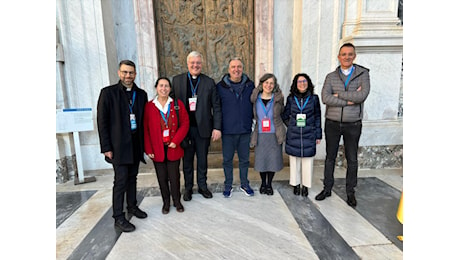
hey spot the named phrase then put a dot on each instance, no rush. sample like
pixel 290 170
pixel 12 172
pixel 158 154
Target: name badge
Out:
pixel 301 120
pixel 132 119
pixel 266 125
pixel 166 137
pixel 192 103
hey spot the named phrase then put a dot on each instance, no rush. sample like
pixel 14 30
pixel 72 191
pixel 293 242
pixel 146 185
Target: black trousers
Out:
pixel 168 176
pixel 351 133
pixel 125 182
pixel 200 147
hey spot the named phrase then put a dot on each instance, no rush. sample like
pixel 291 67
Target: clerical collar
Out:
pixel 126 88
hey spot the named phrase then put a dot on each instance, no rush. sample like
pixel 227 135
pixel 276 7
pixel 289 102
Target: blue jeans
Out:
pixel 240 144
pixel 351 133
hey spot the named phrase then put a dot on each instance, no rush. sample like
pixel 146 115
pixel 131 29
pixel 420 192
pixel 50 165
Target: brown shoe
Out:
pixel 179 206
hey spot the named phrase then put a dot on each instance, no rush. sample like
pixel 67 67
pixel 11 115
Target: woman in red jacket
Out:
pixel 164 130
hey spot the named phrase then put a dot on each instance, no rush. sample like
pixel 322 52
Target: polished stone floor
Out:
pixel 282 226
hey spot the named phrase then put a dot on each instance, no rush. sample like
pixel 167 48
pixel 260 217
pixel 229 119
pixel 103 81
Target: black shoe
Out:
pixel 351 200
pixel 188 195
pixel 297 190
pixel 263 189
pixel 305 191
pixel 322 195
pixel 205 192
pixel 136 211
pixel 124 225
pixel 165 209
pixel 269 191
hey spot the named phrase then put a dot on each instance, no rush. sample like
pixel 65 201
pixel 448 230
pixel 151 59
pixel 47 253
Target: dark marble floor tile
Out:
pixel 378 203
pixel 68 202
pixel 101 239
pixel 324 239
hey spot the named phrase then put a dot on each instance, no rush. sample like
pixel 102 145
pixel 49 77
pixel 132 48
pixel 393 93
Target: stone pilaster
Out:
pixel 374 28
pixel 263 35
pixel 146 45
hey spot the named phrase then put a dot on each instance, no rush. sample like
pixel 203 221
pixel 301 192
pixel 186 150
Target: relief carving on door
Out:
pixel 219 29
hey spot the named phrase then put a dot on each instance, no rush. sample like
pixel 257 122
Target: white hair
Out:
pixel 194 54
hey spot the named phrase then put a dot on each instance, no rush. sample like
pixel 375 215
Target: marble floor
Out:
pixel 282 226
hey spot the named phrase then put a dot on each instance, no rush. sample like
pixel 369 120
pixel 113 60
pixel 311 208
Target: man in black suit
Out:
pixel 198 92
pixel 120 112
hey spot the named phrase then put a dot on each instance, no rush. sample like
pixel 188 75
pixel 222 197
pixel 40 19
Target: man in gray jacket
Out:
pixel 344 93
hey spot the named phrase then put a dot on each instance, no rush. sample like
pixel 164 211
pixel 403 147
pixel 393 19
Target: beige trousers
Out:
pixel 301 171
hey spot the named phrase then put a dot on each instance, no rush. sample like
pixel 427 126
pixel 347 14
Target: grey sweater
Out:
pixel 337 108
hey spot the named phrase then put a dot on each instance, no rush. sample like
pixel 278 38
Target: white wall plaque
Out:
pixel 74 120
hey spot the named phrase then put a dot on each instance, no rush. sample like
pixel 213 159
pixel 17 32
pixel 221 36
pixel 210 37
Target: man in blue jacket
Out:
pixel 235 90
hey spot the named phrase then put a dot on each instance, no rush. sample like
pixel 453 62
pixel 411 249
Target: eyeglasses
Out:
pixel 124 72
pixel 302 81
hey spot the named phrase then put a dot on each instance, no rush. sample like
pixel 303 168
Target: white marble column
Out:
pixel 144 19
pixel 263 34
pixel 373 27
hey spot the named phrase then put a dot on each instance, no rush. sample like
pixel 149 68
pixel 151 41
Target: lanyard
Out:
pixel 349 77
pixel 165 118
pixel 303 106
pixel 191 84
pixel 269 105
pixel 131 104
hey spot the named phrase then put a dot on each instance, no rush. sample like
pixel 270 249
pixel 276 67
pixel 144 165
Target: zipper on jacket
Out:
pixel 301 130
pixel 360 108
pixel 341 116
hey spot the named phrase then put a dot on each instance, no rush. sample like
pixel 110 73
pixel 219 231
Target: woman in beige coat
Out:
pixel 269 132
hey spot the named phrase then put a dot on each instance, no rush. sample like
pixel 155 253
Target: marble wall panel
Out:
pixel 385 76
pixel 283 53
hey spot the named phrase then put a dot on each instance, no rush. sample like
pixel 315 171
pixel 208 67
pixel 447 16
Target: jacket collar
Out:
pixel 228 83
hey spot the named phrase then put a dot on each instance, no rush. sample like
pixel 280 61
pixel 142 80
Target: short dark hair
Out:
pixel 165 78
pixel 128 63
pixel 310 87
pixel 347 44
